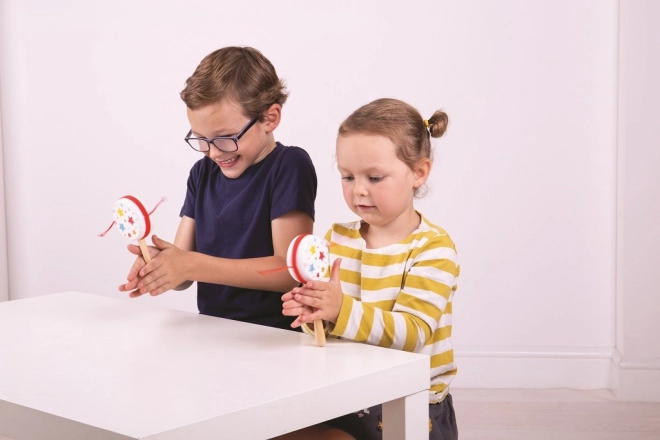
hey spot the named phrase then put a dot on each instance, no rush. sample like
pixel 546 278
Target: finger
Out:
pixel 296 323
pixel 314 293
pixel 291 304
pixel 135 294
pixel 132 285
pixel 294 311
pixel 308 301
pixel 311 317
pixel 160 244
pixel 151 266
pixel 335 272
pixel 157 279
pixel 162 289
pixel 315 285
pixel 287 297
pixel 134 249
pixel 135 268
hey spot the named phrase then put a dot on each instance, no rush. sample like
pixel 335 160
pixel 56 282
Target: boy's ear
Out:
pixel 421 172
pixel 272 117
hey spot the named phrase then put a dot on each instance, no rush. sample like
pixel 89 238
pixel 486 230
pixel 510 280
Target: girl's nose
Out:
pixel 359 189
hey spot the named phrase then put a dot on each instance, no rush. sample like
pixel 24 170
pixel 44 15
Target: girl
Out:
pixel 398 270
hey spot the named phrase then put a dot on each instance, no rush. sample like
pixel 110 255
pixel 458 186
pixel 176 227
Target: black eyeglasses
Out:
pixel 228 144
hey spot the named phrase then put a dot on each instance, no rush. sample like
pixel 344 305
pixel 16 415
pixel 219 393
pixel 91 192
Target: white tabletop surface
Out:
pixel 75 365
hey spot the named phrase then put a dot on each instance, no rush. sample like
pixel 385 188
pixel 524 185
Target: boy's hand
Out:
pixel 164 272
pixel 323 298
pixel 133 277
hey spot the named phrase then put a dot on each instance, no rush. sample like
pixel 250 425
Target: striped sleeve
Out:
pixel 422 299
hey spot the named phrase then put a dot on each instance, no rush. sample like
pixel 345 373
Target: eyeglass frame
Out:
pixel 235 139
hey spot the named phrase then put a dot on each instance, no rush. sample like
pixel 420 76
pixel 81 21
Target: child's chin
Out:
pixel 232 172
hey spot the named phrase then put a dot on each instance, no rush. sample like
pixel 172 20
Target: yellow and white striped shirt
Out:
pixel 399 296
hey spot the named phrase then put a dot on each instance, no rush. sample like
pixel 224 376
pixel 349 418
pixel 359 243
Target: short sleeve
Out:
pixel 295 183
pixel 188 208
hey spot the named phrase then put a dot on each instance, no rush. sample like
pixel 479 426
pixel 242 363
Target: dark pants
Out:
pixel 368 424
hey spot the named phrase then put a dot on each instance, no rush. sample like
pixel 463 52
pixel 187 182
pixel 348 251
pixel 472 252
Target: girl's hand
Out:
pixel 322 299
pixel 291 307
pixel 165 271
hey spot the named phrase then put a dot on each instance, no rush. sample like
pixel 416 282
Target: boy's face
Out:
pixel 226 118
pixel 377 185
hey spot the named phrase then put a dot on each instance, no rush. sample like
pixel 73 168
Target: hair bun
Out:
pixel 438 123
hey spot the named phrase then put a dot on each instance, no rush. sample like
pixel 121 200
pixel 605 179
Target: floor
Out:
pixel 551 415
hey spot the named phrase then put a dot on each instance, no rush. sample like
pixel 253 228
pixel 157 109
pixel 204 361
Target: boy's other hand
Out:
pixel 164 272
pixel 133 277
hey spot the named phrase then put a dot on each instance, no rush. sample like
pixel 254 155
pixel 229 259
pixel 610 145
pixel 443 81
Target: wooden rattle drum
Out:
pixel 132 220
pixel 308 259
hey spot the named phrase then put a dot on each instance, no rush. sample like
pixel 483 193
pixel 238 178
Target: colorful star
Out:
pixel 120 212
pixel 321 256
pixel 130 220
pixel 313 249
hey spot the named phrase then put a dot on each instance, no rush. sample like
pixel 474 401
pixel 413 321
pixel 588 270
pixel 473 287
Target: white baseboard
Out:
pixel 523 367
pixel 636 379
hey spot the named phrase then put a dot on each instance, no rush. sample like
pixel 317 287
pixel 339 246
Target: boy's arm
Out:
pixel 185 240
pixel 244 272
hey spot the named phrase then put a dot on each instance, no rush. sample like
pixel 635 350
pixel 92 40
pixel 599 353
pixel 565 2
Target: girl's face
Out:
pixel 377 185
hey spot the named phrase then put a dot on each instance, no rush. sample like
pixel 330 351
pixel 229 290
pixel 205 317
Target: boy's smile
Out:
pixel 227 118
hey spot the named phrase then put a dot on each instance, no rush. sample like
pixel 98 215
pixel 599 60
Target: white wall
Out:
pixel 4 281
pixel 637 369
pixel 524 180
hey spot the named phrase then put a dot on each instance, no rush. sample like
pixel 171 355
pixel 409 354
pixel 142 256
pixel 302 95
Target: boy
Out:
pixel 247 198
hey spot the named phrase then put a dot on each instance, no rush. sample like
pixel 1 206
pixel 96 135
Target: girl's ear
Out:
pixel 272 117
pixel 421 172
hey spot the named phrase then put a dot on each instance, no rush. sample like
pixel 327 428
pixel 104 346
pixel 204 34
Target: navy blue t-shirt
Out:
pixel 232 220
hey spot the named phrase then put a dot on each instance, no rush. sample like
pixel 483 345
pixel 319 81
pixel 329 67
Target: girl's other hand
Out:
pixel 323 298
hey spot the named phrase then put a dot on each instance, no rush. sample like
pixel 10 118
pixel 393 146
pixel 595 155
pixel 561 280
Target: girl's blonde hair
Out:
pixel 402 124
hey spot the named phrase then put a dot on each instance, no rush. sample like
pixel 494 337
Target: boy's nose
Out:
pixel 214 153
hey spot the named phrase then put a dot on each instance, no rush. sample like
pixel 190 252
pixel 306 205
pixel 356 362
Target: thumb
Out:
pixel 160 244
pixel 334 272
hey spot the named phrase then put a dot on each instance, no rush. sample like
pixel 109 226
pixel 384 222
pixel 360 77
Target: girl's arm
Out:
pixel 417 310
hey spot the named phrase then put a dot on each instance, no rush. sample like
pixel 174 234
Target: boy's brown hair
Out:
pixel 239 74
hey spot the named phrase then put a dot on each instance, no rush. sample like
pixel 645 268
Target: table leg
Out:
pixel 407 417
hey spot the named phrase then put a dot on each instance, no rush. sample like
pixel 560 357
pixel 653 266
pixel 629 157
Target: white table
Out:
pixel 81 366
